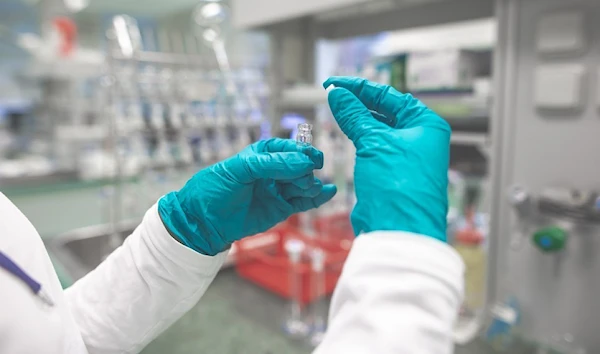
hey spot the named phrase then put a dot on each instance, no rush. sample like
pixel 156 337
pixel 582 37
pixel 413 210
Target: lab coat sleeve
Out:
pixel 398 293
pixel 140 289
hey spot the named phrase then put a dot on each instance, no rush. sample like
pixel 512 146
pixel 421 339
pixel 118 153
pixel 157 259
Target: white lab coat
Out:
pixel 399 293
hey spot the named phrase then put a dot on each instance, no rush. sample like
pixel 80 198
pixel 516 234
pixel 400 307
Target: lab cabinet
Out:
pixel 546 142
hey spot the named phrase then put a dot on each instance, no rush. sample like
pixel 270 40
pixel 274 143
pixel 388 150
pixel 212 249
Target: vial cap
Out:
pixel 305 126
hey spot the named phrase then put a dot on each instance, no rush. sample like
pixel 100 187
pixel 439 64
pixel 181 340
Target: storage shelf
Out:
pixel 477 35
pixel 303 97
pixel 463 138
pixel 349 18
pixel 406 15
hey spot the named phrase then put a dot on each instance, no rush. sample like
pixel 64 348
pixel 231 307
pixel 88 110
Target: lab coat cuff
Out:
pixel 416 252
pixel 178 253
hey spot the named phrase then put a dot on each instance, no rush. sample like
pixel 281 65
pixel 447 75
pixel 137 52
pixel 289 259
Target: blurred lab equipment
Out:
pixel 295 323
pixel 210 16
pixel 551 221
pixel 468 242
pixel 439 70
pixel 501 328
pixel 548 218
pixel 561 344
pixel 521 201
pixel 456 195
pixel 468 239
pixel 340 153
pixel 151 90
pixel 318 309
pixel 169 113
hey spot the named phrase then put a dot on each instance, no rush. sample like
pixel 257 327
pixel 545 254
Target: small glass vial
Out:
pixel 304 136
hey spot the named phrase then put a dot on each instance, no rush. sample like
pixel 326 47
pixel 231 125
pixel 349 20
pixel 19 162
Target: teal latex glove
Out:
pixel 244 195
pixel 402 156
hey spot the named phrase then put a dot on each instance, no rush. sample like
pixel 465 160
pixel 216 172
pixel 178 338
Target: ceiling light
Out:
pixel 210 14
pixel 76 5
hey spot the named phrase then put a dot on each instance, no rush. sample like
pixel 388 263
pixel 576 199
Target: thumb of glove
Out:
pixel 352 115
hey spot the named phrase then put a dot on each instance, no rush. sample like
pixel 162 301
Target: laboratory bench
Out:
pixel 56 207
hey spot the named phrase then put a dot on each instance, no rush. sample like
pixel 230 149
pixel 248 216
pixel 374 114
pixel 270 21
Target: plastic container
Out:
pixel 468 243
pixel 262 259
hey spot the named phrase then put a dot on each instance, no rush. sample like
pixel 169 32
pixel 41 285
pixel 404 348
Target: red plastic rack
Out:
pixel 262 258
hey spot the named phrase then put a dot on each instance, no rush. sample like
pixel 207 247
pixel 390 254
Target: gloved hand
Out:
pixel 402 156
pixel 244 195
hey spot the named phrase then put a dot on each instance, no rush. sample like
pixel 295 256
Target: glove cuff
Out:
pixel 418 214
pixel 188 230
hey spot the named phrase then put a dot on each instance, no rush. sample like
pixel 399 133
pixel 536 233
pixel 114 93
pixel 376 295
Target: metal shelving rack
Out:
pixel 170 101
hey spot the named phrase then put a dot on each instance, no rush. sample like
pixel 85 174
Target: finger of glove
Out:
pixel 306 203
pixel 288 145
pixel 304 182
pixel 402 110
pixel 276 145
pixel 383 119
pixel 276 165
pixel 383 99
pixel 289 191
pixel 352 116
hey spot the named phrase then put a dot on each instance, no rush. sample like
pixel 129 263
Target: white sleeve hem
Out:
pixel 416 250
pixel 399 292
pixel 181 255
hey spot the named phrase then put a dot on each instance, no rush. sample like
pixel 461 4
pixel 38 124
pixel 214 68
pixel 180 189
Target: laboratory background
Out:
pixel 106 105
